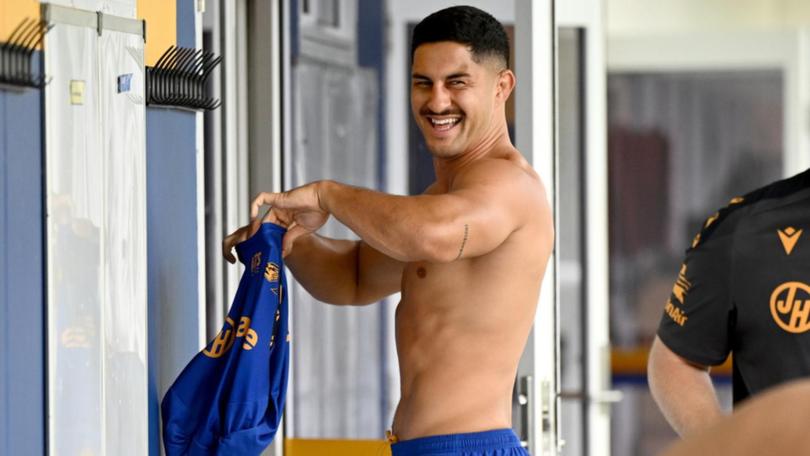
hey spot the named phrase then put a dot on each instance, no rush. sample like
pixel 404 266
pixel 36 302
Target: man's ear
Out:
pixel 506 83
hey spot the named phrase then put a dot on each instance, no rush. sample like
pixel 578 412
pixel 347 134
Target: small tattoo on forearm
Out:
pixel 464 241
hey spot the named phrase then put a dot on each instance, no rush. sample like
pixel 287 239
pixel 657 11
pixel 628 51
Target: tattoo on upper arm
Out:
pixel 464 241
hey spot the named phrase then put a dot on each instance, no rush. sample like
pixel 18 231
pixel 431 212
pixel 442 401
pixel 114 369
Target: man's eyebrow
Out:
pixel 451 76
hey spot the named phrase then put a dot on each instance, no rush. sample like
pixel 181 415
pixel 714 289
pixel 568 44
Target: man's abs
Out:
pixel 451 396
pixel 460 332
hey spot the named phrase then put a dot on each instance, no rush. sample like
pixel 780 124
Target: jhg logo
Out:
pixel 225 338
pixel 790 307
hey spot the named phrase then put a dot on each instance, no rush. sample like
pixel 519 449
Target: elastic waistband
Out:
pixel 474 441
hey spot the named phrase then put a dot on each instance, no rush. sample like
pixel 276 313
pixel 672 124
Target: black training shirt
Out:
pixel 744 287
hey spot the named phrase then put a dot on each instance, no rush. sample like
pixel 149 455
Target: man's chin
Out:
pixel 442 151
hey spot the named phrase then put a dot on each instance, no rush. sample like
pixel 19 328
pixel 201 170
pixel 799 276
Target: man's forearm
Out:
pixel 326 268
pixel 407 228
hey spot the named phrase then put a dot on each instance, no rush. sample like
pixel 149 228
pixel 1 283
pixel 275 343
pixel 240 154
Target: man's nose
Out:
pixel 439 99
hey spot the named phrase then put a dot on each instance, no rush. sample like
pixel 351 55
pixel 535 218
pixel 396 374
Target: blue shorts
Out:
pixel 501 442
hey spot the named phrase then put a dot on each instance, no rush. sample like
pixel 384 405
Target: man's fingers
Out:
pixel 236 237
pixel 284 216
pixel 271 217
pixel 262 199
pixel 227 246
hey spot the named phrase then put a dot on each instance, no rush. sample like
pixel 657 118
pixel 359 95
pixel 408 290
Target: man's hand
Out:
pixel 245 232
pixel 300 208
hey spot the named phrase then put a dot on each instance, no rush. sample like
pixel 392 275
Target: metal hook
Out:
pixel 16 54
pixel 179 79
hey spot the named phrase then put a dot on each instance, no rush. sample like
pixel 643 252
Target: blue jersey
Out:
pixel 230 397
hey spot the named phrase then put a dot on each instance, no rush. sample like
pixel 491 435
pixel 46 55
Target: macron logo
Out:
pixel 789 236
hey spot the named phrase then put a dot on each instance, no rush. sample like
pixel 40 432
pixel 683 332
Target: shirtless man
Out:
pixel 468 255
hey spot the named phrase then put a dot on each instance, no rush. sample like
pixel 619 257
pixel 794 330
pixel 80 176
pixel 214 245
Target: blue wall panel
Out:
pixel 4 292
pixel 171 248
pixel 22 340
pixel 171 168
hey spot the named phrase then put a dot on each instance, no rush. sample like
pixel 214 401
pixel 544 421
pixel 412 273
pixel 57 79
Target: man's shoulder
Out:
pixel 726 220
pixel 514 186
pixel 499 170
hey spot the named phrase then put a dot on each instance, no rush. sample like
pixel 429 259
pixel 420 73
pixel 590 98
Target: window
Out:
pixel 328 31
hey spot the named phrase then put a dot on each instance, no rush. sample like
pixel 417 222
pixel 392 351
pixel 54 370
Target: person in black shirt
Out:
pixel 744 288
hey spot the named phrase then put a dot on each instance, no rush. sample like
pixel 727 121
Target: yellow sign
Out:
pixel 77 92
pixel 319 447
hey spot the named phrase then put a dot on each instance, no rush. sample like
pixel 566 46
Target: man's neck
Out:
pixel 493 145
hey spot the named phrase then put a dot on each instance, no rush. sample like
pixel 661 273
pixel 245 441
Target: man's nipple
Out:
pixel 421 272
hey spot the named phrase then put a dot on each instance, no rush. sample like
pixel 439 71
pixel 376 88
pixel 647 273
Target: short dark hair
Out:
pixel 466 25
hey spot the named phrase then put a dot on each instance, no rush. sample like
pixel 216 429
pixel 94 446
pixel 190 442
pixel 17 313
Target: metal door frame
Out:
pixel 588 17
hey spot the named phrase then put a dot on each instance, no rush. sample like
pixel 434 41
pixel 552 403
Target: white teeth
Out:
pixel 444 121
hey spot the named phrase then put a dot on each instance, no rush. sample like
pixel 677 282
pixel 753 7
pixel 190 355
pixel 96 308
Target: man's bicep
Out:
pixel 378 275
pixel 663 359
pixel 491 209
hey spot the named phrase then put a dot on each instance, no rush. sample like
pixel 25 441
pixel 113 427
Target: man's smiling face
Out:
pixel 453 97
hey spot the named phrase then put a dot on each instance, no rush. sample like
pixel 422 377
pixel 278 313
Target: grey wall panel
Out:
pixel 22 419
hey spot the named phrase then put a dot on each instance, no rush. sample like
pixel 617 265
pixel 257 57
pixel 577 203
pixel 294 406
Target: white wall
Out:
pixel 641 17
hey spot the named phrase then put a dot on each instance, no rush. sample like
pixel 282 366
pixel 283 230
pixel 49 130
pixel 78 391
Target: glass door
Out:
pixel 582 230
